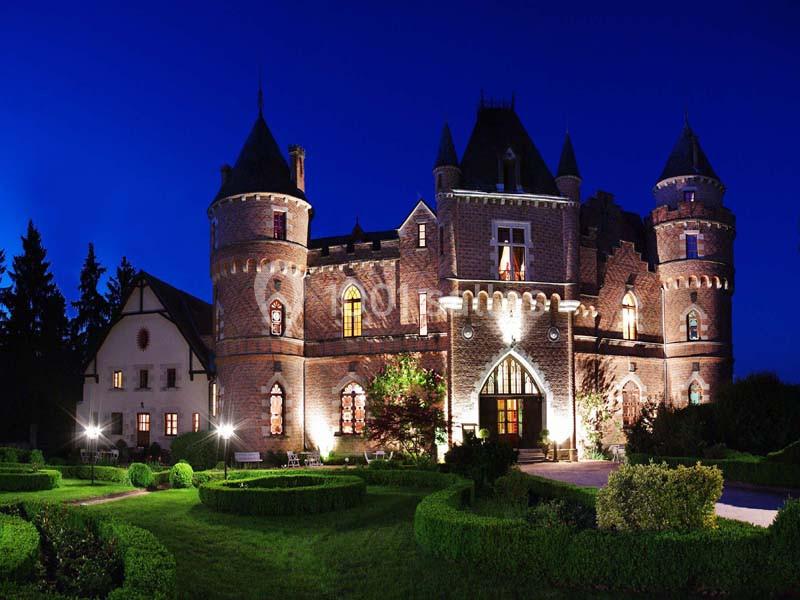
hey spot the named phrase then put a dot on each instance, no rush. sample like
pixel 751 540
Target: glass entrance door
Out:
pixel 509 420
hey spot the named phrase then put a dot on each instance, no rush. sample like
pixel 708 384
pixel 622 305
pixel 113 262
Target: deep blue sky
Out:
pixel 115 122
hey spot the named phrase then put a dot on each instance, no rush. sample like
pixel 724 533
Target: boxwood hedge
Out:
pixel 282 493
pixel 19 548
pixel 101 473
pixel 27 481
pixel 734 557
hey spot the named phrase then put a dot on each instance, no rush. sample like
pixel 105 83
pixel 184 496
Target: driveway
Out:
pixel 743 503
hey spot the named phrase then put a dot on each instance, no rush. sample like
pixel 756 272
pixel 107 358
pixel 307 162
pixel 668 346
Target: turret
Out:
pixel 446 173
pixel 568 178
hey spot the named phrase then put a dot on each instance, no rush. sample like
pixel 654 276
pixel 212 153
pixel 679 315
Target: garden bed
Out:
pixel 281 493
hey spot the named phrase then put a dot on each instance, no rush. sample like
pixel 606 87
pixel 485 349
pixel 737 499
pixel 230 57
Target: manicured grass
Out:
pixel 71 489
pixel 365 552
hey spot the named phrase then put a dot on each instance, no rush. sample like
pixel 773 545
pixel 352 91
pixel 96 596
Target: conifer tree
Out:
pixel 118 285
pixel 92 307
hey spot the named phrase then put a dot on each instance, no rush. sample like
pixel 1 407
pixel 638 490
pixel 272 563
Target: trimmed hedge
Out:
pixel 734 557
pixel 101 473
pixel 759 472
pixel 19 548
pixel 29 481
pixel 141 475
pixel 180 475
pixel 789 455
pixel 148 567
pixel 284 494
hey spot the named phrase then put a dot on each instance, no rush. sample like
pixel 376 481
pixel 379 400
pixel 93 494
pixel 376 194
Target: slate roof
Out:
pixel 687 157
pixel 567 164
pixel 356 236
pixel 447 156
pixel 260 167
pixel 496 130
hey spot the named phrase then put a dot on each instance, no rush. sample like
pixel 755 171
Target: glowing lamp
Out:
pixel 225 431
pixel 93 432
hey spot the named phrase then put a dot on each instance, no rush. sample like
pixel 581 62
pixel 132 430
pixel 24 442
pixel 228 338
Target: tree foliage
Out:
pixel 118 285
pixel 596 411
pixel 92 308
pixel 404 407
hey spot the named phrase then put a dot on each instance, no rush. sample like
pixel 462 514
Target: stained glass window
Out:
pixel 629 317
pixel 693 326
pixel 276 402
pixel 276 314
pixel 354 409
pixel 695 393
pixel 630 404
pixel 509 377
pixel 352 312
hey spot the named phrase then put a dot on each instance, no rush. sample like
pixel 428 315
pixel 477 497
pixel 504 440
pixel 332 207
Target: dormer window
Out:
pixel 510 172
pixel 689 195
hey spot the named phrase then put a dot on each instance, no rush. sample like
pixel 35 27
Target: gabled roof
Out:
pixel 496 130
pixel 447 156
pixel 260 167
pixel 687 157
pixel 567 164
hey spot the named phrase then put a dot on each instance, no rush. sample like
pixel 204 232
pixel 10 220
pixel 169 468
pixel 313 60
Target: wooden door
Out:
pixel 509 420
pixel 531 422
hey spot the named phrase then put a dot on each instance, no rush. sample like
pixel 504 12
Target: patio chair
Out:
pixel 294 460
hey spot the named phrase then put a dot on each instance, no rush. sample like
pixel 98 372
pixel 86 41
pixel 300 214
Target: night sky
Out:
pixel 114 122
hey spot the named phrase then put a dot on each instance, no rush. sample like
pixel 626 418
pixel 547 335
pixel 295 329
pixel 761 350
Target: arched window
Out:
pixel 353 409
pixel 629 317
pixel 276 404
pixel 695 393
pixel 509 377
pixel 631 398
pixel 276 314
pixel 693 326
pixel 352 312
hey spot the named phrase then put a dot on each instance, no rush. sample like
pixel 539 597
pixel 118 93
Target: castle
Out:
pixel 519 292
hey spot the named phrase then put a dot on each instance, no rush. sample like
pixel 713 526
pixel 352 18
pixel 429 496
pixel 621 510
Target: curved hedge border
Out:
pixel 735 557
pixel 284 494
pixel 19 547
pixel 28 481
pixel 148 567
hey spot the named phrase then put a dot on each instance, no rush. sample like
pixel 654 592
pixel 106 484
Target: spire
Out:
pixel 447 156
pixel 260 97
pixel 567 164
pixel 687 157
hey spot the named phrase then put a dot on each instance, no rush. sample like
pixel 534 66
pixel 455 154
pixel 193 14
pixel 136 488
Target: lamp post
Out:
pixel 92 433
pixel 225 431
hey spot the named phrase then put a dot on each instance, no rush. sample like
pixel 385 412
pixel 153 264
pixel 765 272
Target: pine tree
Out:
pixel 35 344
pixel 92 307
pixel 118 285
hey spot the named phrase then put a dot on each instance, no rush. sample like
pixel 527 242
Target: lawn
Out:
pixel 71 489
pixel 366 552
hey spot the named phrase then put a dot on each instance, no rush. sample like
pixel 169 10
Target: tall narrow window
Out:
pixel 195 422
pixel 116 423
pixel 276 314
pixel 352 312
pixel 695 393
pixel 422 241
pixel 172 377
pixel 691 245
pixel 689 195
pixel 213 400
pixel 630 404
pixel 170 424
pixel 279 225
pixel 116 380
pixel 213 234
pixel 629 317
pixel 276 402
pixel 144 379
pixel 353 409
pixel 423 313
pixel 511 253
pixel 693 326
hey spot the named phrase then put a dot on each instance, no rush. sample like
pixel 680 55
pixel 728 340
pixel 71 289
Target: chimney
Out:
pixel 225 172
pixel 298 166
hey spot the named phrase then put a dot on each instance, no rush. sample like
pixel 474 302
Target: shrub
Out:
pixel 37 459
pixel 124 451
pixel 21 481
pixel 658 498
pixel 9 455
pixel 284 494
pixel 154 452
pixel 19 548
pixel 200 449
pixel 786 530
pixel 382 464
pixel 140 475
pixel 789 455
pixel 180 475
pixel 112 474
pixel 483 461
pixel 512 489
pixel 672 432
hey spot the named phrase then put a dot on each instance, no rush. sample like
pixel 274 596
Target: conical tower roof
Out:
pixel 567 164
pixel 447 156
pixel 687 157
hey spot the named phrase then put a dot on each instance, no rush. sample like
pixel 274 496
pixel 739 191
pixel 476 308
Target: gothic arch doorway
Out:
pixel 511 404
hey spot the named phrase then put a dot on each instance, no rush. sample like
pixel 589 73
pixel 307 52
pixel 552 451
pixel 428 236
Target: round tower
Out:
pixel 259 223
pixel 693 235
pixel 446 172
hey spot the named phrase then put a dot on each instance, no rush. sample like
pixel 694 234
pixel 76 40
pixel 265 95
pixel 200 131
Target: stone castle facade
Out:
pixel 519 291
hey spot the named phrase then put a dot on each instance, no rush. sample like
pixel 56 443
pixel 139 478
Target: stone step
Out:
pixel 530 455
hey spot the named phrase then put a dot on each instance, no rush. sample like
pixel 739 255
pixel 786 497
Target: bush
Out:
pixel 140 475
pixel 201 477
pixel 19 548
pixel 658 498
pixel 112 474
pixel 482 461
pixel 180 475
pixel 284 494
pixel 341 460
pixel 382 464
pixel 9 455
pixel 21 481
pixel 154 452
pixel 37 459
pixel 124 451
pixel 200 449
pixel 789 455
pixel 512 489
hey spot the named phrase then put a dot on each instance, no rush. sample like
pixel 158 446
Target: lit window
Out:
pixel 144 379
pixel 213 400
pixel 117 380
pixel 172 377
pixel 695 393
pixel 509 377
pixel 629 317
pixel 691 245
pixel 195 422
pixel 421 239
pixel 354 409
pixel 352 312
pixel 171 424
pixel 276 403
pixel 511 253
pixel 423 313
pixel 693 326
pixel 116 423
pixel 689 195
pixel 143 422
pixel 276 314
pixel 509 417
pixel 279 225
pixel 630 404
